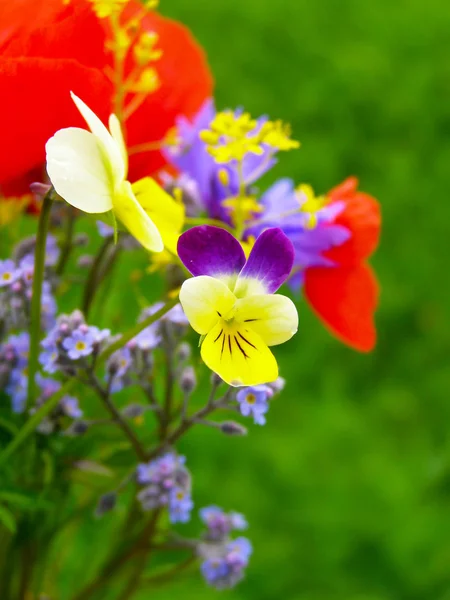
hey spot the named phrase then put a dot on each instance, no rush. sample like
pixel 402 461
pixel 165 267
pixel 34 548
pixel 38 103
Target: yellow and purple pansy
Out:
pixel 230 301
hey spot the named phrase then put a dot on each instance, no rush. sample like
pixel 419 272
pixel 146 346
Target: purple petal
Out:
pixel 270 260
pixel 208 250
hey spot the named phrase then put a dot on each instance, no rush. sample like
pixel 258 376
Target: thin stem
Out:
pixel 38 278
pixel 148 147
pixel 133 332
pixel 104 395
pixel 91 282
pixel 190 422
pixel 67 244
pixel 35 419
pixel 239 215
pixel 113 566
pixel 168 575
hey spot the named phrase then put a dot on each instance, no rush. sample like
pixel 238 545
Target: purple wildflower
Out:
pixel 79 343
pixel 9 273
pixel 254 401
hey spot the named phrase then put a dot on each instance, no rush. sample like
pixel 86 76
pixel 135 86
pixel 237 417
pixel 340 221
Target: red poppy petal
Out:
pixel 186 82
pixel 71 31
pixel 345 299
pixel 38 103
pixel 362 217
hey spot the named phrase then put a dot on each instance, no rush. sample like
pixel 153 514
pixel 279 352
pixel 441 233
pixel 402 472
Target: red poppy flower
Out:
pixel 345 297
pixel 49 48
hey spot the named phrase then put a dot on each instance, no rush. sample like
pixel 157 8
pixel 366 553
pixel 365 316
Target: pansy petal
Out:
pixel 165 212
pixel 204 300
pixel 129 212
pixel 270 262
pixel 113 152
pixel 117 134
pixel 238 355
pixel 273 318
pixel 345 298
pixel 207 250
pixel 77 170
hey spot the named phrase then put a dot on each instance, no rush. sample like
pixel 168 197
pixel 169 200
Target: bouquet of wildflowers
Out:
pixel 121 158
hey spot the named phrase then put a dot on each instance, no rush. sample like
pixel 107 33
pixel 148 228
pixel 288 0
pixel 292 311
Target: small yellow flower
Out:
pixel 309 203
pixel 231 137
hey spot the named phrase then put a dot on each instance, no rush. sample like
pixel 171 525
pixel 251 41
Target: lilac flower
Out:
pixel 47 386
pixel 224 565
pixel 104 230
pixel 220 523
pixel 79 344
pixel 282 207
pixel 9 273
pixel 167 483
pixel 49 358
pixel 17 391
pixel 254 401
pixel 70 407
pixel 180 505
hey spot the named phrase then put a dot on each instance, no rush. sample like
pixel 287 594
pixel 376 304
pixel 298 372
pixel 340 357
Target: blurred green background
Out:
pixel 347 489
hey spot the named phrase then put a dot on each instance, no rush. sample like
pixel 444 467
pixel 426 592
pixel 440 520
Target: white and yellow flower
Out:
pixel 89 170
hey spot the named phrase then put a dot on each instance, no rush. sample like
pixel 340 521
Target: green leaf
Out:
pixel 8 426
pixel 34 421
pixel 23 501
pixel 7 519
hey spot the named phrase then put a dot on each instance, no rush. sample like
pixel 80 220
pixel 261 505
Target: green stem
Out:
pixel 92 280
pixel 67 244
pixel 35 419
pixel 38 278
pixel 133 332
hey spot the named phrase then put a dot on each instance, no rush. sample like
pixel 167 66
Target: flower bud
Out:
pixel 183 352
pixel 106 503
pixel 85 261
pixel 77 428
pixel 278 385
pixel 132 411
pixel 81 239
pixel 188 380
pixel 232 428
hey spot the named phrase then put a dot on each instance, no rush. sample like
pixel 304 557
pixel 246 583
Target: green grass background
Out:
pixel 347 488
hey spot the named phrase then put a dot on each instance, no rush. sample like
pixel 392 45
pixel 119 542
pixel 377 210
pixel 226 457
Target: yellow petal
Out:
pixel 131 214
pixel 204 300
pixel 273 317
pixel 166 213
pixel 77 170
pixel 238 355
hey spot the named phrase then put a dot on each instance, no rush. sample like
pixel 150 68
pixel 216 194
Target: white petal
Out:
pixel 205 300
pixel 113 152
pixel 273 317
pixel 129 212
pixel 117 134
pixel 77 170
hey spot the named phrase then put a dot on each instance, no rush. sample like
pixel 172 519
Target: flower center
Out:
pixel 80 345
pixel 7 276
pixel 250 398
